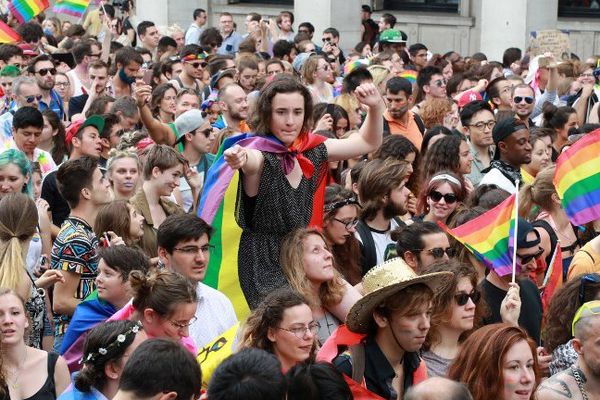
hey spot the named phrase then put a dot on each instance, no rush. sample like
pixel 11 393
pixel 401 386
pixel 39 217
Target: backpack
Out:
pixel 418 121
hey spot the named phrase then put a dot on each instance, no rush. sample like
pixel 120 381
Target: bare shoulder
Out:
pixel 560 386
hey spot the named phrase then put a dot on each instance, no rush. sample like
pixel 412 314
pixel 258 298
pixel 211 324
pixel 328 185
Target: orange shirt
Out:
pixel 410 131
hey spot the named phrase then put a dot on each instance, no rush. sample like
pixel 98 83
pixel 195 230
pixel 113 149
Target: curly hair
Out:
pixel 443 299
pixel 444 154
pixel 433 111
pixel 292 263
pixel 563 306
pixel 268 315
pixel 399 147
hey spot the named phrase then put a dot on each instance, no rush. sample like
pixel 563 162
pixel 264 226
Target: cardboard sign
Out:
pixel 550 41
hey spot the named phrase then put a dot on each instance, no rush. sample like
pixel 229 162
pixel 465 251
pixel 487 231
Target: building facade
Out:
pixel 466 26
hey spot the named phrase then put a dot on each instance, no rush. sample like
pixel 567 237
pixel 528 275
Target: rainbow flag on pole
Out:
pixel 25 10
pixel 7 35
pixel 577 179
pixel 75 8
pixel 490 237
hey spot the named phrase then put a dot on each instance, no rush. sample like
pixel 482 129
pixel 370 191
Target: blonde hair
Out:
pixel 379 73
pixel 18 222
pixel 115 155
pixel 292 262
pixel 310 67
pixel 539 193
pixel 347 102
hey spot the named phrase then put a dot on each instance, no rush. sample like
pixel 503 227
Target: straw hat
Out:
pixel 382 282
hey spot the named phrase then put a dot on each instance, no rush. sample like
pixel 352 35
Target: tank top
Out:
pixel 48 390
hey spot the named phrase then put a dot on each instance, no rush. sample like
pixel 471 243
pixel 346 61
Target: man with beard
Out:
pixel 194 63
pixel 523 102
pixel 398 119
pixel 422 244
pixel 128 63
pixel 582 379
pixel 383 195
pixel 43 70
pixel 513 149
pixel 234 106
pixel 183 246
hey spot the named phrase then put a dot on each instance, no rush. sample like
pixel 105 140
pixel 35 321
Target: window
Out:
pixel 422 5
pixel 282 2
pixel 579 8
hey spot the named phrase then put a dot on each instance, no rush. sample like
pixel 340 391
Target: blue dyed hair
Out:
pixel 18 158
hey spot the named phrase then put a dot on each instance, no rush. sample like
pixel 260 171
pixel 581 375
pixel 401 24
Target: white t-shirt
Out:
pixel 383 241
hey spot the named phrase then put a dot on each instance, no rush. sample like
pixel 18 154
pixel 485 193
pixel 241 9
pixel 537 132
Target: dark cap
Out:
pixel 504 129
pixel 366 8
pixel 523 230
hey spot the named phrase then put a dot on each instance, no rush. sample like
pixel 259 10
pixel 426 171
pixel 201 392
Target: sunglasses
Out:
pixel 31 99
pixel 519 99
pixel 326 40
pixel 528 258
pixel 463 298
pixel 449 198
pixel 440 82
pixel 585 279
pixel 438 252
pixel 206 132
pixel 196 65
pixel 44 71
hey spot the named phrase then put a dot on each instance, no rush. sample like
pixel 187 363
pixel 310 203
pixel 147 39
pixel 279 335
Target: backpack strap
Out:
pixel 369 252
pixel 386 128
pixel 357 354
pixel 419 123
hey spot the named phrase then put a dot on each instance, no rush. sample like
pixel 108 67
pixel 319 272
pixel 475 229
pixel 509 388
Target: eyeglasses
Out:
pixel 519 99
pixel 348 224
pixel 62 84
pixel 526 259
pixel 31 99
pixel 300 332
pixel 97 54
pixel 193 250
pixel 586 75
pixel 449 198
pixel 463 298
pixel 438 252
pixel 586 310
pixel 440 82
pixel 325 68
pixel 183 325
pixel 585 279
pixel 196 65
pixel 481 125
pixel 44 71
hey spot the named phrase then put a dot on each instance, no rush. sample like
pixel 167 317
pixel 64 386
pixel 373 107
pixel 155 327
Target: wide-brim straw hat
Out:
pixel 384 281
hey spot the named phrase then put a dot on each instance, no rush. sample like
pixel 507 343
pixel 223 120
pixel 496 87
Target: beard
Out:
pixel 391 210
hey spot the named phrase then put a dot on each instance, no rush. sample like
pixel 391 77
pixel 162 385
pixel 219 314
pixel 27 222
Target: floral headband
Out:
pixel 119 342
pixel 341 203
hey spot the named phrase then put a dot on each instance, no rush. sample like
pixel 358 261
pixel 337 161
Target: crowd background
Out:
pixel 253 212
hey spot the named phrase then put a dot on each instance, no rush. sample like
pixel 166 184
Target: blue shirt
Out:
pixel 231 44
pixel 56 105
pixel 72 393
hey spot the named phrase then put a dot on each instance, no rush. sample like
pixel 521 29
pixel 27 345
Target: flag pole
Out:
pixel 516 229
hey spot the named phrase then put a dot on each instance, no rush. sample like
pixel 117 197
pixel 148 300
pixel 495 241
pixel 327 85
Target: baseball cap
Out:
pixel 188 122
pixel 300 60
pixel 393 36
pixel 504 129
pixel 467 97
pixel 28 50
pixel 97 121
pixel 524 228
pixel 214 80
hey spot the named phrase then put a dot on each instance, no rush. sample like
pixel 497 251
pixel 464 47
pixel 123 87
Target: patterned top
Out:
pixel 74 250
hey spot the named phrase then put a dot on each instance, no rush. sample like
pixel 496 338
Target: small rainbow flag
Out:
pixel 7 35
pixel 75 8
pixel 577 179
pixel 351 66
pixel 553 279
pixel 490 237
pixel 410 75
pixel 25 10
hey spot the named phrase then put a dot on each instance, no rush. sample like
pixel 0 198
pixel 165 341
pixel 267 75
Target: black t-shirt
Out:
pixel 58 205
pixel 77 104
pixel 531 306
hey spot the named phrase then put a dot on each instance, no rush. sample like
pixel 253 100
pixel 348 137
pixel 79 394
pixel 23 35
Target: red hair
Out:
pixel 480 368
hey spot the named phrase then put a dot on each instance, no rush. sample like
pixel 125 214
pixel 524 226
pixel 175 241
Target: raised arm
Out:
pixel 159 132
pixel 371 132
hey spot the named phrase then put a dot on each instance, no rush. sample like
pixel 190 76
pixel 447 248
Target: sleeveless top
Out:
pixel 48 390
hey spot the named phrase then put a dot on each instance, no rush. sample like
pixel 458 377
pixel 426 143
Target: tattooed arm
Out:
pixel 561 386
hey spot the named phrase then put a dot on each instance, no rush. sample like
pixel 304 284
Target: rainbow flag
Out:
pixel 7 35
pixel 25 10
pixel 351 66
pixel 527 177
pixel 410 75
pixel 490 237
pixel 553 279
pixel 75 8
pixel 577 179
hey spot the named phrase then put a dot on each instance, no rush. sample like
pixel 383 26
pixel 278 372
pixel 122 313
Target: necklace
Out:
pixel 579 381
pixel 17 372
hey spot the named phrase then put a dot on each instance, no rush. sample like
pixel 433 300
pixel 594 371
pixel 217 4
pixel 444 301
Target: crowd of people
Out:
pixel 345 167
